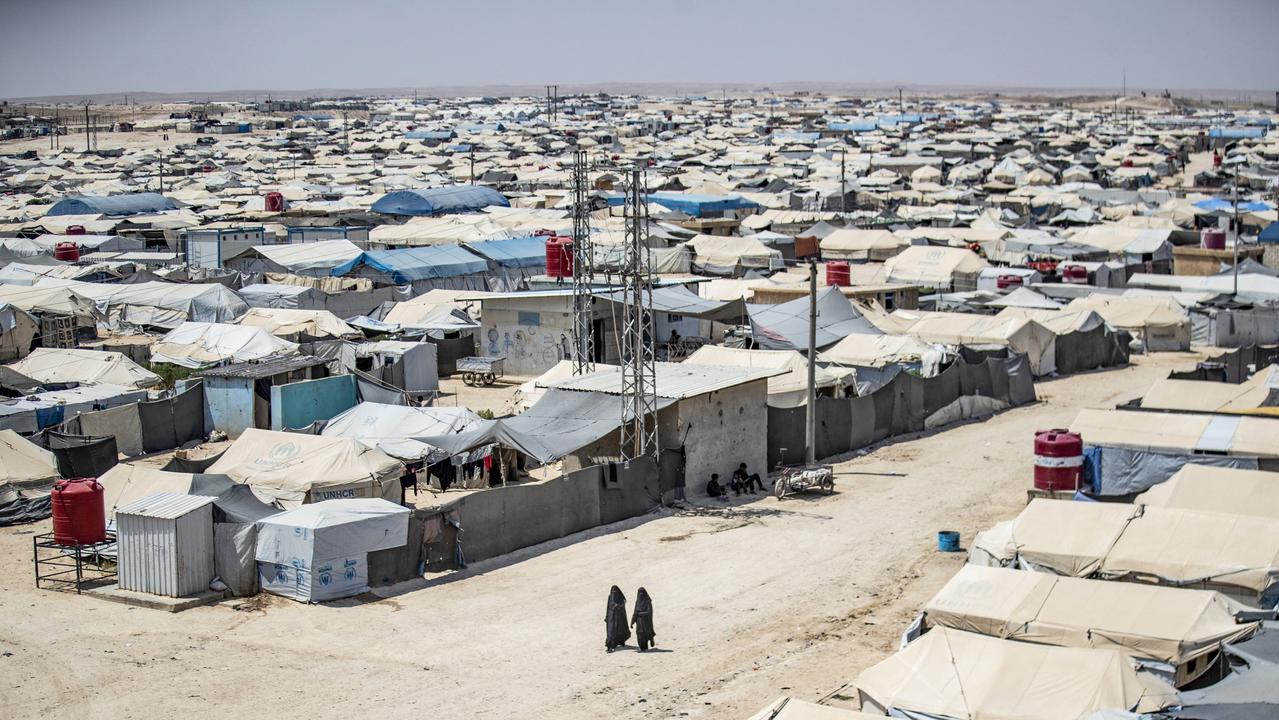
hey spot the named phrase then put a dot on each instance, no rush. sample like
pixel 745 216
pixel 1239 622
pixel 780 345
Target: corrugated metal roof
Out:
pixel 262 369
pixel 165 506
pixel 674 380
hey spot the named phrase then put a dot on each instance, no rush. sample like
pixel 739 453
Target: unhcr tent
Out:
pixel 861 245
pixel 393 428
pixel 402 267
pixel 1139 450
pixel 74 366
pixel 1259 395
pixel 1180 630
pixel 785 326
pixel 1236 555
pixel 292 297
pixel 1023 335
pixel 1216 489
pixel 26 473
pixel 127 204
pixel 964 676
pixel 437 201
pixel 162 304
pixel 289 469
pixel 786 390
pixel 727 255
pixel 930 266
pixel 17 328
pixel 313 259
pixel 1160 323
pixel 199 345
pixel 298 323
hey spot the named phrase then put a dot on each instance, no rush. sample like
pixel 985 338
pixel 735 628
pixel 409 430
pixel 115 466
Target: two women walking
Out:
pixel 616 629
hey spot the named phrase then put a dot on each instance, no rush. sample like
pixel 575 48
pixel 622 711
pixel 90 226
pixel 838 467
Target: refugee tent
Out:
pixel 679 300
pixel 450 230
pixel 789 389
pixel 402 267
pixel 67 366
pixel 434 319
pixel 1139 450
pixel 520 252
pixel 1024 297
pixel 861 245
pixel 1216 489
pixel 292 297
pixel 295 324
pixel 1022 335
pixel 1135 245
pixel 17 329
pixel 1252 396
pixel 1237 555
pixel 312 259
pixel 393 428
pixel 728 255
pixel 320 551
pixel 1175 629
pixel 410 366
pixel 126 204
pixel 289 469
pixel 27 471
pixel 1160 323
pixel 954 675
pixel 91 243
pixel 785 326
pixel 437 201
pixel 162 304
pixel 930 266
pixel 199 345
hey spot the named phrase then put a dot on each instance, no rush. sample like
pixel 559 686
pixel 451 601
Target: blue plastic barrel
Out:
pixel 948 541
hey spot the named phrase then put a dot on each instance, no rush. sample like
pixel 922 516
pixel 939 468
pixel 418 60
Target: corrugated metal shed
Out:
pixel 262 368
pixel 166 544
pixel 674 380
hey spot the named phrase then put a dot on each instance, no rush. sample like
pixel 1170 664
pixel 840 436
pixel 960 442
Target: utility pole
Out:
pixel 810 417
pixel 346 146
pixel 86 127
pixel 583 270
pixel 843 191
pixel 639 366
pixel 901 104
pixel 1235 222
pixel 472 159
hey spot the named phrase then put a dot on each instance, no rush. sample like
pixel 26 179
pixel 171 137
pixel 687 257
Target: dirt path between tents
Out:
pixel 751 601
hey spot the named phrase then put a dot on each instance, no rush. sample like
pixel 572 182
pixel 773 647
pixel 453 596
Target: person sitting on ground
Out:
pixel 714 489
pixel 744 481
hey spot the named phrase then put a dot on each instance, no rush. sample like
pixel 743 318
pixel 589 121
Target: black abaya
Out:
pixel 643 620
pixel 616 630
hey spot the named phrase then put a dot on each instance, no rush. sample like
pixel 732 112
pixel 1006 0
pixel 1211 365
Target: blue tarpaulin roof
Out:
pixel 434 201
pixel 854 126
pixel 429 135
pixel 130 204
pixel 425 263
pixel 1270 234
pixel 524 252
pixel 696 205
pixel 1237 132
pixel 1216 204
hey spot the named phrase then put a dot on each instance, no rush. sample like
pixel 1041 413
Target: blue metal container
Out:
pixel 948 541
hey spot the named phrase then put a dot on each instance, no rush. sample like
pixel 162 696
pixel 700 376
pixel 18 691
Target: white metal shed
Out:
pixel 166 544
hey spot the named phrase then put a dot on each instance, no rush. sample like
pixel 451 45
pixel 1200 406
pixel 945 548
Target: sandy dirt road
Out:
pixel 751 601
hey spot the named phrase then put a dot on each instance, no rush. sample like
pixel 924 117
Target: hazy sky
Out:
pixel 92 46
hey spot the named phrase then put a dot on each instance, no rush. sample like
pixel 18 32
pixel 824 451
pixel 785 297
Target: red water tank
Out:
pixel 66 251
pixel 76 230
pixel 79 513
pixel 1074 274
pixel 274 202
pixel 559 256
pixel 1127 162
pixel 1213 239
pixel 1004 282
pixel 1059 460
pixel 837 274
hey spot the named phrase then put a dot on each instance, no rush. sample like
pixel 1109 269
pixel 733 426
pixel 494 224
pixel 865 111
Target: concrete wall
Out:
pixel 723 429
pixel 299 404
pixel 229 402
pixel 532 334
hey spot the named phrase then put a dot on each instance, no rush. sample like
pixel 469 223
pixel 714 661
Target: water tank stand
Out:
pixel 82 567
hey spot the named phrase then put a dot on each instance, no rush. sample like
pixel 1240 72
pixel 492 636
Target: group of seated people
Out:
pixel 742 482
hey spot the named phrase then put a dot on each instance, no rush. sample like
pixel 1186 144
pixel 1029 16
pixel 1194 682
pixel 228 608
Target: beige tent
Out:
pixel 66 365
pixel 866 350
pixel 1237 555
pixel 855 244
pixel 127 482
pixel 728 253
pixel 1020 334
pixel 283 322
pixel 1259 391
pixel 289 469
pixel 1159 322
pixel 787 390
pixel 1217 489
pixel 935 267
pixel 1176 627
pixel 953 674
pixel 1181 433
pixel 23 466
pixel 788 708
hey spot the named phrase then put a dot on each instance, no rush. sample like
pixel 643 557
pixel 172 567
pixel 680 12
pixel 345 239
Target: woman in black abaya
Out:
pixel 615 627
pixel 642 620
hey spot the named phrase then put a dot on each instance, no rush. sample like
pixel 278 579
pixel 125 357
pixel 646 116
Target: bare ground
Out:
pixel 752 600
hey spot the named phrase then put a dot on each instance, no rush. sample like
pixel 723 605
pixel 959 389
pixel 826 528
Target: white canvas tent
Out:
pixel 393 428
pixel 1217 489
pixel 201 345
pixel 724 255
pixel 71 365
pixel 787 390
pixel 861 245
pixel 931 266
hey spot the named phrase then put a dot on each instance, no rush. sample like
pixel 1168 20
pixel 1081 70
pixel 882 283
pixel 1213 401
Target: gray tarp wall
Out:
pixel 1128 471
pixel 902 405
